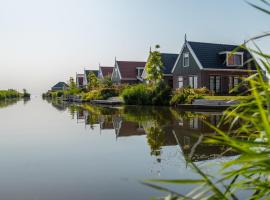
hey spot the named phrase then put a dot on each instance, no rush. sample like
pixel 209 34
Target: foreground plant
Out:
pixel 249 136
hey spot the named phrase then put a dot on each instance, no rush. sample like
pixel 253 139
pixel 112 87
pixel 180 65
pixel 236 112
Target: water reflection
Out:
pixel 162 126
pixel 10 102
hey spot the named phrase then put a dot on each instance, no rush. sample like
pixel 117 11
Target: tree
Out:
pixel 154 66
pixel 93 81
pixel 72 84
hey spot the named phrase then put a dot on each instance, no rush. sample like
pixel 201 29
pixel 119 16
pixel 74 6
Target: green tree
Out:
pixel 154 66
pixel 72 84
pixel 93 81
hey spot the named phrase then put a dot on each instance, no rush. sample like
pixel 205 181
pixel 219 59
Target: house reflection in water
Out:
pixel 162 127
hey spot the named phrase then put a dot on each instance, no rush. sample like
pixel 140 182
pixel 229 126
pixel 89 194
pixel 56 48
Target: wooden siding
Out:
pixel 192 70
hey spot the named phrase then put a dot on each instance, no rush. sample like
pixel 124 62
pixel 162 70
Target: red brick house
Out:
pixel 129 72
pixel 218 67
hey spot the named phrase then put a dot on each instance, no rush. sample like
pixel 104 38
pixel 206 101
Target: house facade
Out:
pixel 218 67
pixel 127 72
pixel 168 60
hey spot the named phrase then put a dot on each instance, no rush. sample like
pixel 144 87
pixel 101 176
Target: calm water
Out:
pixel 51 150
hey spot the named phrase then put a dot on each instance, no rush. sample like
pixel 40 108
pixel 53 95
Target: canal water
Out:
pixel 50 150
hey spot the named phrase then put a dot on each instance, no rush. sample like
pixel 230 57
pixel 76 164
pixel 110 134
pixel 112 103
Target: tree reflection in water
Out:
pixel 8 102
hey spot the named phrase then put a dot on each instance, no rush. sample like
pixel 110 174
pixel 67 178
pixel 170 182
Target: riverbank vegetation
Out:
pixel 248 136
pixel 13 94
pixel 143 94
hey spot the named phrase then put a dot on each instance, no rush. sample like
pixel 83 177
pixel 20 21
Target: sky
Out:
pixel 43 42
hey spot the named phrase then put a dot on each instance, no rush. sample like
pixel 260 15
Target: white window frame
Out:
pixel 180 79
pixel 186 55
pixel 228 54
pixel 193 81
pixel 138 70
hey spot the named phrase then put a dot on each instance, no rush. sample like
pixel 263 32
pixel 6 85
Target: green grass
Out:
pixel 227 98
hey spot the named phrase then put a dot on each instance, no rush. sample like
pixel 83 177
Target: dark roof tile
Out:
pixel 209 54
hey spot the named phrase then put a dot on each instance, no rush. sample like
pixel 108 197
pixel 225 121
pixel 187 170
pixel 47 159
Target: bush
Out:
pixel 142 94
pixel 9 94
pixel 106 93
pixel 161 94
pixel 92 95
pixel 187 95
pixel 73 91
pixel 100 94
pixel 137 95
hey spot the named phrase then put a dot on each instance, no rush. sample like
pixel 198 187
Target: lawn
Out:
pixel 227 98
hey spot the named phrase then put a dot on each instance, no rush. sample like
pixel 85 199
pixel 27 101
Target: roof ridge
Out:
pixel 213 43
pixel 170 53
pixel 128 61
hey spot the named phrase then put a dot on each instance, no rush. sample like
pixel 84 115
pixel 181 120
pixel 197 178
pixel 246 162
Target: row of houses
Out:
pixel 218 67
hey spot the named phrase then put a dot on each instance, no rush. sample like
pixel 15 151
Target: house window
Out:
pixel 139 71
pixel 215 84
pixel 193 81
pixel 233 82
pixel 194 123
pixel 186 60
pixel 234 59
pixel 180 81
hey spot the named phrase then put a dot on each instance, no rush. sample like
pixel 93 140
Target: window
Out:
pixel 235 59
pixel 233 82
pixel 193 81
pixel 180 81
pixel 215 84
pixel 194 123
pixel 186 60
pixel 139 71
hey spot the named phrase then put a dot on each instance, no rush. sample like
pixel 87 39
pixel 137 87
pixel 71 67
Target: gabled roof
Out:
pixel 87 72
pixel 128 69
pixel 60 85
pixel 209 56
pixel 168 60
pixel 106 71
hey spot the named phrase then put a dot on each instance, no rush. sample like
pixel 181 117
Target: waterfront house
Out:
pixel 218 67
pixel 168 60
pixel 129 72
pixel 105 71
pixel 82 79
pixel 60 86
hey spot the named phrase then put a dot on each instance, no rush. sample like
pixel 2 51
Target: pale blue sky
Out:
pixel 42 42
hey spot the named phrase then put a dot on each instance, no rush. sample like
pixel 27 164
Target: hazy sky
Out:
pixel 43 42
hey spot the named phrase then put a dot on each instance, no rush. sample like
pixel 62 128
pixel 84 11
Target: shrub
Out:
pixel 92 95
pixel 100 94
pixel 187 95
pixel 10 94
pixel 73 91
pixel 106 93
pixel 161 94
pixel 137 95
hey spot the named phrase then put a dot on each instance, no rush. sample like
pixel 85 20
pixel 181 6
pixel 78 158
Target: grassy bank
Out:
pixel 226 98
pixel 13 94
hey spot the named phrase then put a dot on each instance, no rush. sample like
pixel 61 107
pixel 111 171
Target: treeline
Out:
pixel 13 94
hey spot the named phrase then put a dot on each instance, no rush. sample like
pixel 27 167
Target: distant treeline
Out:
pixel 13 94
